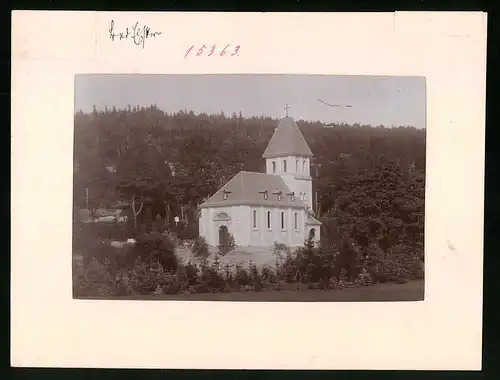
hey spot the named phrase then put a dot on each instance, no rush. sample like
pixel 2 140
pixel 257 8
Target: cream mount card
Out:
pixel 51 328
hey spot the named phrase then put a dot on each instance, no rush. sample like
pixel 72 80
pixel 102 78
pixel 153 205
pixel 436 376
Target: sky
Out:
pixel 389 101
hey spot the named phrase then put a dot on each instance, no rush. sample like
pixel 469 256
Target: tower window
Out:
pixel 282 220
pixel 274 166
pixel 269 219
pixel 284 166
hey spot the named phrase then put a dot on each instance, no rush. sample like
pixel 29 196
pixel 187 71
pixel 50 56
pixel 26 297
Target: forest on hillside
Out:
pixel 368 181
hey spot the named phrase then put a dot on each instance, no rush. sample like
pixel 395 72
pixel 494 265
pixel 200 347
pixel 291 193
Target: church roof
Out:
pixel 287 139
pixel 312 221
pixel 247 188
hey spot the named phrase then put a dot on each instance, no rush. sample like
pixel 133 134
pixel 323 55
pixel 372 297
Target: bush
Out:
pixel 224 249
pixel 399 264
pixel 151 267
pixel 156 247
pixel 200 247
pixel 268 275
pixel 309 263
pixel 255 277
pixel 364 278
pixel 173 282
pixel 92 280
pixel 94 248
pixel 242 277
pixel 281 250
pixel 189 232
pixel 191 272
pixel 108 231
pixel 211 276
pixel 172 237
pixel 158 225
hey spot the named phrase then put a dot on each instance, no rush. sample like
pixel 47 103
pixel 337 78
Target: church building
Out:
pixel 259 209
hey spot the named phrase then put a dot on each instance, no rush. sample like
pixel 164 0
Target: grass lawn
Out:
pixel 411 291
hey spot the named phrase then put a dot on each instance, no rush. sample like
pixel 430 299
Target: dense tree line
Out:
pixel 368 180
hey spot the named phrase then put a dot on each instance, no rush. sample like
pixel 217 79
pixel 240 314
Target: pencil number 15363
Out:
pixel 212 50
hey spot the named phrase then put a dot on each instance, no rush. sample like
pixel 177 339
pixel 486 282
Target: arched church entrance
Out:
pixel 312 233
pixel 223 235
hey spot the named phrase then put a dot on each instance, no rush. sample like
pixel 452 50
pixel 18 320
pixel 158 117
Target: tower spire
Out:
pixel 286 109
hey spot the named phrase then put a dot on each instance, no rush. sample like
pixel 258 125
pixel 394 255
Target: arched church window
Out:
pixel 284 166
pixel 254 218
pixel 269 219
pixel 274 166
pixel 282 220
pixel 295 222
pixel 297 166
pixel 304 166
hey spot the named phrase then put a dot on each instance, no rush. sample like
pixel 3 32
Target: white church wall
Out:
pixel 262 235
pixel 245 234
pixel 203 224
pixel 241 227
pixel 238 225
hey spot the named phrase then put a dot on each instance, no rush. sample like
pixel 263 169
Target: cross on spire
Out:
pixel 286 109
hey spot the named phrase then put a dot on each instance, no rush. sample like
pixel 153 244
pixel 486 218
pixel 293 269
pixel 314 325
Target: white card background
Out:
pixel 49 328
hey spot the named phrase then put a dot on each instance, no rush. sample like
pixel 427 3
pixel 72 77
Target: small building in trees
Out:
pixel 258 209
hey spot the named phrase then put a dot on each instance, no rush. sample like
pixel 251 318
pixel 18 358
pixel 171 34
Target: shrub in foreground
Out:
pixel 224 249
pixel 200 247
pixel 156 270
pixel 157 247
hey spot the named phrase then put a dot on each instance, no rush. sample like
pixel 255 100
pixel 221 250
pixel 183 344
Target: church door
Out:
pixel 223 235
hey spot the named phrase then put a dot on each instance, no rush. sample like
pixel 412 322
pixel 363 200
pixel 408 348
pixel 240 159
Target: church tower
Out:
pixel 289 156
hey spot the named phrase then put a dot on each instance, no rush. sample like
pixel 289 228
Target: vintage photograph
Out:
pixel 249 187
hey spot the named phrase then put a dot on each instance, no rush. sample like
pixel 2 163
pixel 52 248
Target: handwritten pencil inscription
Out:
pixel 137 34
